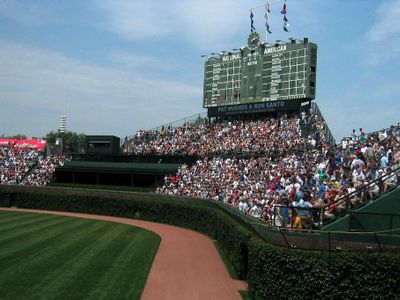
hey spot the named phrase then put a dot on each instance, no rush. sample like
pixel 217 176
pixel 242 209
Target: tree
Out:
pixel 72 141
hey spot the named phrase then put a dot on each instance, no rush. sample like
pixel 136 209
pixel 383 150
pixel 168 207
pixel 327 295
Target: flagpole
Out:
pixel 264 6
pixel 267 20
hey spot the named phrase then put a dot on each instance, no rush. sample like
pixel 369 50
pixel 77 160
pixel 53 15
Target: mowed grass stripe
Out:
pixel 22 222
pixel 22 252
pixel 126 262
pixel 88 248
pixel 26 230
pixel 92 260
pixel 52 252
pixel 9 216
pixel 102 260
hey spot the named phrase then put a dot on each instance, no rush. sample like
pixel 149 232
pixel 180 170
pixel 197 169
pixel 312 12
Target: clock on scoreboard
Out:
pixel 261 72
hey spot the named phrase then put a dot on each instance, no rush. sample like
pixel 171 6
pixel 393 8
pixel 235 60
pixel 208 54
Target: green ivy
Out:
pixel 279 273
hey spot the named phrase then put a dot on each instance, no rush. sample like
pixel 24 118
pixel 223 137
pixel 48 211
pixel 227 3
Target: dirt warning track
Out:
pixel 187 265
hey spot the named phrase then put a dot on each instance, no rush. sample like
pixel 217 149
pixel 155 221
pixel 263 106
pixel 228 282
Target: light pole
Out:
pixel 61 130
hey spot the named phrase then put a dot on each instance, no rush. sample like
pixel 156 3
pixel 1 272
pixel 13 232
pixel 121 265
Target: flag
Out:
pixel 285 26
pixel 268 30
pixel 283 12
pixel 267 11
pixel 252 28
pixel 285 23
pixel 285 19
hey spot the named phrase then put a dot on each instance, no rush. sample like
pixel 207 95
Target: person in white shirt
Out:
pixel 390 180
pixel 255 211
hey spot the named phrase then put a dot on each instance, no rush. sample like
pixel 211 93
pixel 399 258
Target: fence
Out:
pixel 331 240
pixel 169 127
pixel 328 134
pixel 309 237
pixel 136 158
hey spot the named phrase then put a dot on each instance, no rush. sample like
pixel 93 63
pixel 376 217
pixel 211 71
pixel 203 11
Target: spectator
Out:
pixel 390 181
pixel 319 176
pixel 267 135
pixel 26 166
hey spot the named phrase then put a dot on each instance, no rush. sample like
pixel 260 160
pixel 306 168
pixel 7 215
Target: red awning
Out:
pixel 34 144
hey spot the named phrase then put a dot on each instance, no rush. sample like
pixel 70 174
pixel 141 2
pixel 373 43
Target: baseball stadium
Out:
pixel 253 198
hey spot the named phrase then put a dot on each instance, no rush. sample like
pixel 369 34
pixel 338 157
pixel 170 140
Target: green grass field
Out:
pixel 54 257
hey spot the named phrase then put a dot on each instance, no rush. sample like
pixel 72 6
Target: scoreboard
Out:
pixel 261 72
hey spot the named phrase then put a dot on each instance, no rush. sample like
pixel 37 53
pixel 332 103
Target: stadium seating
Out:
pixel 265 135
pixel 26 166
pixel 280 169
pixel 319 176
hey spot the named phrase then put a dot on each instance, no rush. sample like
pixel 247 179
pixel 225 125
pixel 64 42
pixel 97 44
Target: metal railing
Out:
pixel 309 237
pixel 376 132
pixel 191 120
pixel 332 240
pixel 136 158
pixel 295 217
pixel 328 134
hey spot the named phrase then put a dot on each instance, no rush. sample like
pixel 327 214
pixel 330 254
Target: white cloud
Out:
pixel 387 24
pixel 138 19
pixel 39 85
pixel 138 61
pixel 27 12
pixel 202 23
pixel 213 24
pixel 382 40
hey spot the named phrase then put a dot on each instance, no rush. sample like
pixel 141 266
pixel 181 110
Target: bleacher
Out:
pixel 317 154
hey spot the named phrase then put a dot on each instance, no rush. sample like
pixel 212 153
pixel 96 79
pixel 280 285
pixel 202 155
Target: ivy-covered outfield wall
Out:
pixel 271 272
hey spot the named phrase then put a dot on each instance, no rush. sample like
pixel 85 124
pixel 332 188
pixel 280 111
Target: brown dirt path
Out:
pixel 187 265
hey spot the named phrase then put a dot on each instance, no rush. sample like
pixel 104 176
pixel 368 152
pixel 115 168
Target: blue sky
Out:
pixel 114 67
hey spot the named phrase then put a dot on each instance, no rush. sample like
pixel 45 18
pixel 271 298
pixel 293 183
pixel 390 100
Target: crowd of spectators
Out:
pixel 15 164
pixel 317 177
pixel 279 170
pixel 43 172
pixel 266 135
pixel 25 166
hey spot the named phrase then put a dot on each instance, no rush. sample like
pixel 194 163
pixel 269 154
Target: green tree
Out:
pixel 72 142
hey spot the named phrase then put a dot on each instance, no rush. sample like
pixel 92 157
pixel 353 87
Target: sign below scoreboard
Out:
pixel 261 72
pixel 263 107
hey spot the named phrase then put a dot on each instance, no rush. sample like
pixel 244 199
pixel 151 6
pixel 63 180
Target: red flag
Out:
pixel 283 12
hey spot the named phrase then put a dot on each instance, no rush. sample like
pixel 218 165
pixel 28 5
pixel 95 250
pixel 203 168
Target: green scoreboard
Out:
pixel 260 77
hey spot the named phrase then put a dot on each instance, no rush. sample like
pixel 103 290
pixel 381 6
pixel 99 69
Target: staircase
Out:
pixel 310 127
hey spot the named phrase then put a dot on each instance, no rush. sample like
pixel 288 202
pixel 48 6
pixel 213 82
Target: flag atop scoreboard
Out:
pixel 260 77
